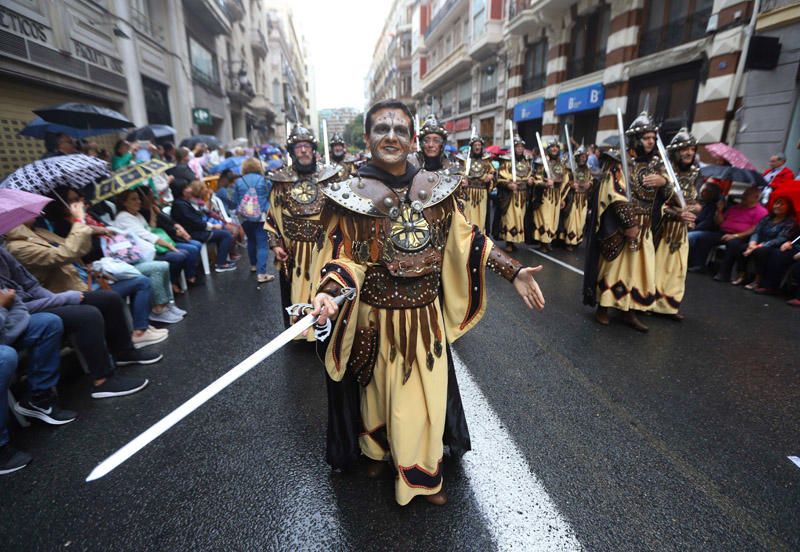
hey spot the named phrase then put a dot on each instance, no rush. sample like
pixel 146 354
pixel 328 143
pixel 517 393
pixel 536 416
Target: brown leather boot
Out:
pixel 633 321
pixel 438 499
pixel 602 316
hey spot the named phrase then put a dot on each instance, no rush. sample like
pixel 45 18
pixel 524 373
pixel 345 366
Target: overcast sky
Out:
pixel 341 37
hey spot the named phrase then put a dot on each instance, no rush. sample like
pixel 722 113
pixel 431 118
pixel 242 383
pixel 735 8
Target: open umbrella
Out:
pixel 736 174
pixel 496 150
pixel 128 178
pixel 45 175
pixel 731 155
pixel 207 139
pixel 87 116
pixel 232 163
pixel 151 132
pixel 18 207
pixel 38 128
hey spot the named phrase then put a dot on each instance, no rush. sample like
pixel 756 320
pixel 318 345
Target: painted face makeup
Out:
pixel 390 136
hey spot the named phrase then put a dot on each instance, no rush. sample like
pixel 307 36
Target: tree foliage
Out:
pixel 354 133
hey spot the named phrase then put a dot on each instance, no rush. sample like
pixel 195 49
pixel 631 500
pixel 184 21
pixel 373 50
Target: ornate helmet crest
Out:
pixel 301 134
pixel 580 151
pixel 553 142
pixel 337 139
pixel 683 139
pixel 475 137
pixel 431 125
pixel 641 124
pixel 518 139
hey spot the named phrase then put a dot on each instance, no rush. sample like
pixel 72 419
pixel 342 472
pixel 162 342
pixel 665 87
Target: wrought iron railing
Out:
pixel 533 82
pixel 441 14
pixel 515 7
pixel 464 105
pixel 447 112
pixel 488 97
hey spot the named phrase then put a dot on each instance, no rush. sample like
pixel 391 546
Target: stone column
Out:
pixel 181 94
pixel 130 64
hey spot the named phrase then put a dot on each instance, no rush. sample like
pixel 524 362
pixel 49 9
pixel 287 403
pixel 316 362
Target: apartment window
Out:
pixel 457 34
pixel 465 29
pixel 589 38
pixel 405 86
pixel 448 44
pixel 669 23
pixel 478 18
pixel 488 85
pixel 276 92
pixel 465 96
pixel 534 73
pixel 204 64
pixel 405 48
pixel 448 98
pixel 140 16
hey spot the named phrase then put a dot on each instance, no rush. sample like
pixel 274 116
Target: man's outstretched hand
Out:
pixel 526 286
pixel 324 307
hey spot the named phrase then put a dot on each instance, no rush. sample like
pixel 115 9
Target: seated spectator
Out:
pixel 41 335
pixel 771 246
pixel 157 218
pixel 168 154
pixel 771 231
pixel 705 226
pixel 59 144
pixel 123 155
pixel 181 173
pixel 199 160
pixel 777 176
pixel 215 212
pixel 735 225
pixel 225 190
pixel 794 276
pixel 724 184
pixel 57 262
pixel 96 322
pixel 129 219
pixel 185 214
pixel 252 182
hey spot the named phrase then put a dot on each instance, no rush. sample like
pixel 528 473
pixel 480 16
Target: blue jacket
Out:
pixel 261 185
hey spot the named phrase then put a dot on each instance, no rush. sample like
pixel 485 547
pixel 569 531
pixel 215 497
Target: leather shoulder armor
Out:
pixel 373 198
pixel 284 174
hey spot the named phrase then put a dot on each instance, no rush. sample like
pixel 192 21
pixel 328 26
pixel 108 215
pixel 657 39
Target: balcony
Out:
pixel 488 97
pixel 674 34
pixel 211 14
pixel 464 105
pixel 447 112
pixel 444 17
pixel 530 16
pixel 258 43
pixel 451 67
pixel 489 43
pixel 577 67
pixel 234 9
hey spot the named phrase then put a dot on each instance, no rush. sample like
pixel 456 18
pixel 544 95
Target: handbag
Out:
pixel 122 248
pixel 161 233
pixel 114 269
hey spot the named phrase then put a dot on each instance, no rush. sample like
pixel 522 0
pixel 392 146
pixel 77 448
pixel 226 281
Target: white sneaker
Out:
pixel 173 308
pixel 166 316
pixel 147 338
pixel 158 330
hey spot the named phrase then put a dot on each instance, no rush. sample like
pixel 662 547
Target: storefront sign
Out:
pixel 462 124
pixel 201 116
pixel 97 57
pixel 580 99
pixel 531 109
pixel 23 26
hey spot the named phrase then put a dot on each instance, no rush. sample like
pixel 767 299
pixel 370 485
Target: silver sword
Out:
pixel 670 171
pixel 154 431
pixel 623 154
pixel 544 157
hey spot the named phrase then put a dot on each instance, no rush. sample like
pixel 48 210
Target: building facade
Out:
pixel 390 73
pixel 577 62
pixel 230 68
pixel 337 119
pixel 768 121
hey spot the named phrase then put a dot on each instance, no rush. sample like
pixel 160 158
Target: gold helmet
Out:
pixel 431 125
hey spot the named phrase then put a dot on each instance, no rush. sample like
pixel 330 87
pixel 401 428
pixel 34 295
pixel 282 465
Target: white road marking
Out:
pixel 519 513
pixel 795 460
pixel 557 261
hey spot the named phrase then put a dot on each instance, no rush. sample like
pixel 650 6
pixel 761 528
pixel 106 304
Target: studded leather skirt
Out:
pixel 382 290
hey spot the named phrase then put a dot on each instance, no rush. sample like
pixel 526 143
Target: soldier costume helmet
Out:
pixel 475 138
pixel 553 142
pixel 432 126
pixel 683 139
pixel 518 139
pixel 337 139
pixel 640 126
pixel 301 134
pixel 578 152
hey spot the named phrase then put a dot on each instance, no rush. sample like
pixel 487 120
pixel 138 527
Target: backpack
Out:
pixel 249 207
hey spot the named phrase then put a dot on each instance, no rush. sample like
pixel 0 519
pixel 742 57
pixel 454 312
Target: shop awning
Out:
pixel 580 99
pixel 531 109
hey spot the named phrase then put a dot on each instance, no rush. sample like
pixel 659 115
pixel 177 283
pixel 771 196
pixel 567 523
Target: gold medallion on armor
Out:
pixel 477 169
pixel 522 169
pixel 304 192
pixel 410 230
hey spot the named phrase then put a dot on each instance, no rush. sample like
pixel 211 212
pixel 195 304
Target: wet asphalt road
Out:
pixel 675 440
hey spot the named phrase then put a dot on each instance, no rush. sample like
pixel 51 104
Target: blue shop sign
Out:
pixel 531 109
pixel 580 99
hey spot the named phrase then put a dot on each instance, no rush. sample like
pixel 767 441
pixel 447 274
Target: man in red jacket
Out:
pixel 776 176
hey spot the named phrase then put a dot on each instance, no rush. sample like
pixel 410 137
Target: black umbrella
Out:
pixel 724 172
pixel 151 132
pixel 207 139
pixel 78 115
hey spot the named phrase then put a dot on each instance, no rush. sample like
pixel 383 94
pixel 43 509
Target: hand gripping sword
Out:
pixel 220 383
pixel 572 166
pixel 662 151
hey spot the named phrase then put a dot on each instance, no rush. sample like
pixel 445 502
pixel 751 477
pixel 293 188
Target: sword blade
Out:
pixel 670 171
pixel 543 156
pixel 513 153
pixel 623 154
pixel 569 149
pixel 151 434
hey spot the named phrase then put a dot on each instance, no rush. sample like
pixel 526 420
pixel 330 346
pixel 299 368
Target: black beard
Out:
pixel 338 158
pixel 301 168
pixel 478 155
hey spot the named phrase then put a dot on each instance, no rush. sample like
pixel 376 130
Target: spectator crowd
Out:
pixel 100 278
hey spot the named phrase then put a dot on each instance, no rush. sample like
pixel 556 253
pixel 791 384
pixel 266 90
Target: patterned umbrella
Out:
pixel 128 178
pixel 42 177
pixel 731 155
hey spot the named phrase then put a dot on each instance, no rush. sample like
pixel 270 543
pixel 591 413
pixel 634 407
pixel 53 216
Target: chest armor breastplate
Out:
pixel 303 197
pixel 640 169
pixel 686 180
pixel 583 174
pixel 477 168
pixel 523 169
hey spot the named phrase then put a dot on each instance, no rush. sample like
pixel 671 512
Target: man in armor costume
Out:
pixel 477 183
pixel 513 198
pixel 339 156
pixel 432 138
pixel 576 201
pixel 292 224
pixel 671 239
pixel 620 259
pixel 550 197
pixel 395 233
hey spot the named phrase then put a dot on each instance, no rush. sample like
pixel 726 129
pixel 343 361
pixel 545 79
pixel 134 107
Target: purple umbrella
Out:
pixel 18 207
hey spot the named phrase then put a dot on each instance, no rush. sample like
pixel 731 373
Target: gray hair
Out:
pixel 781 156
